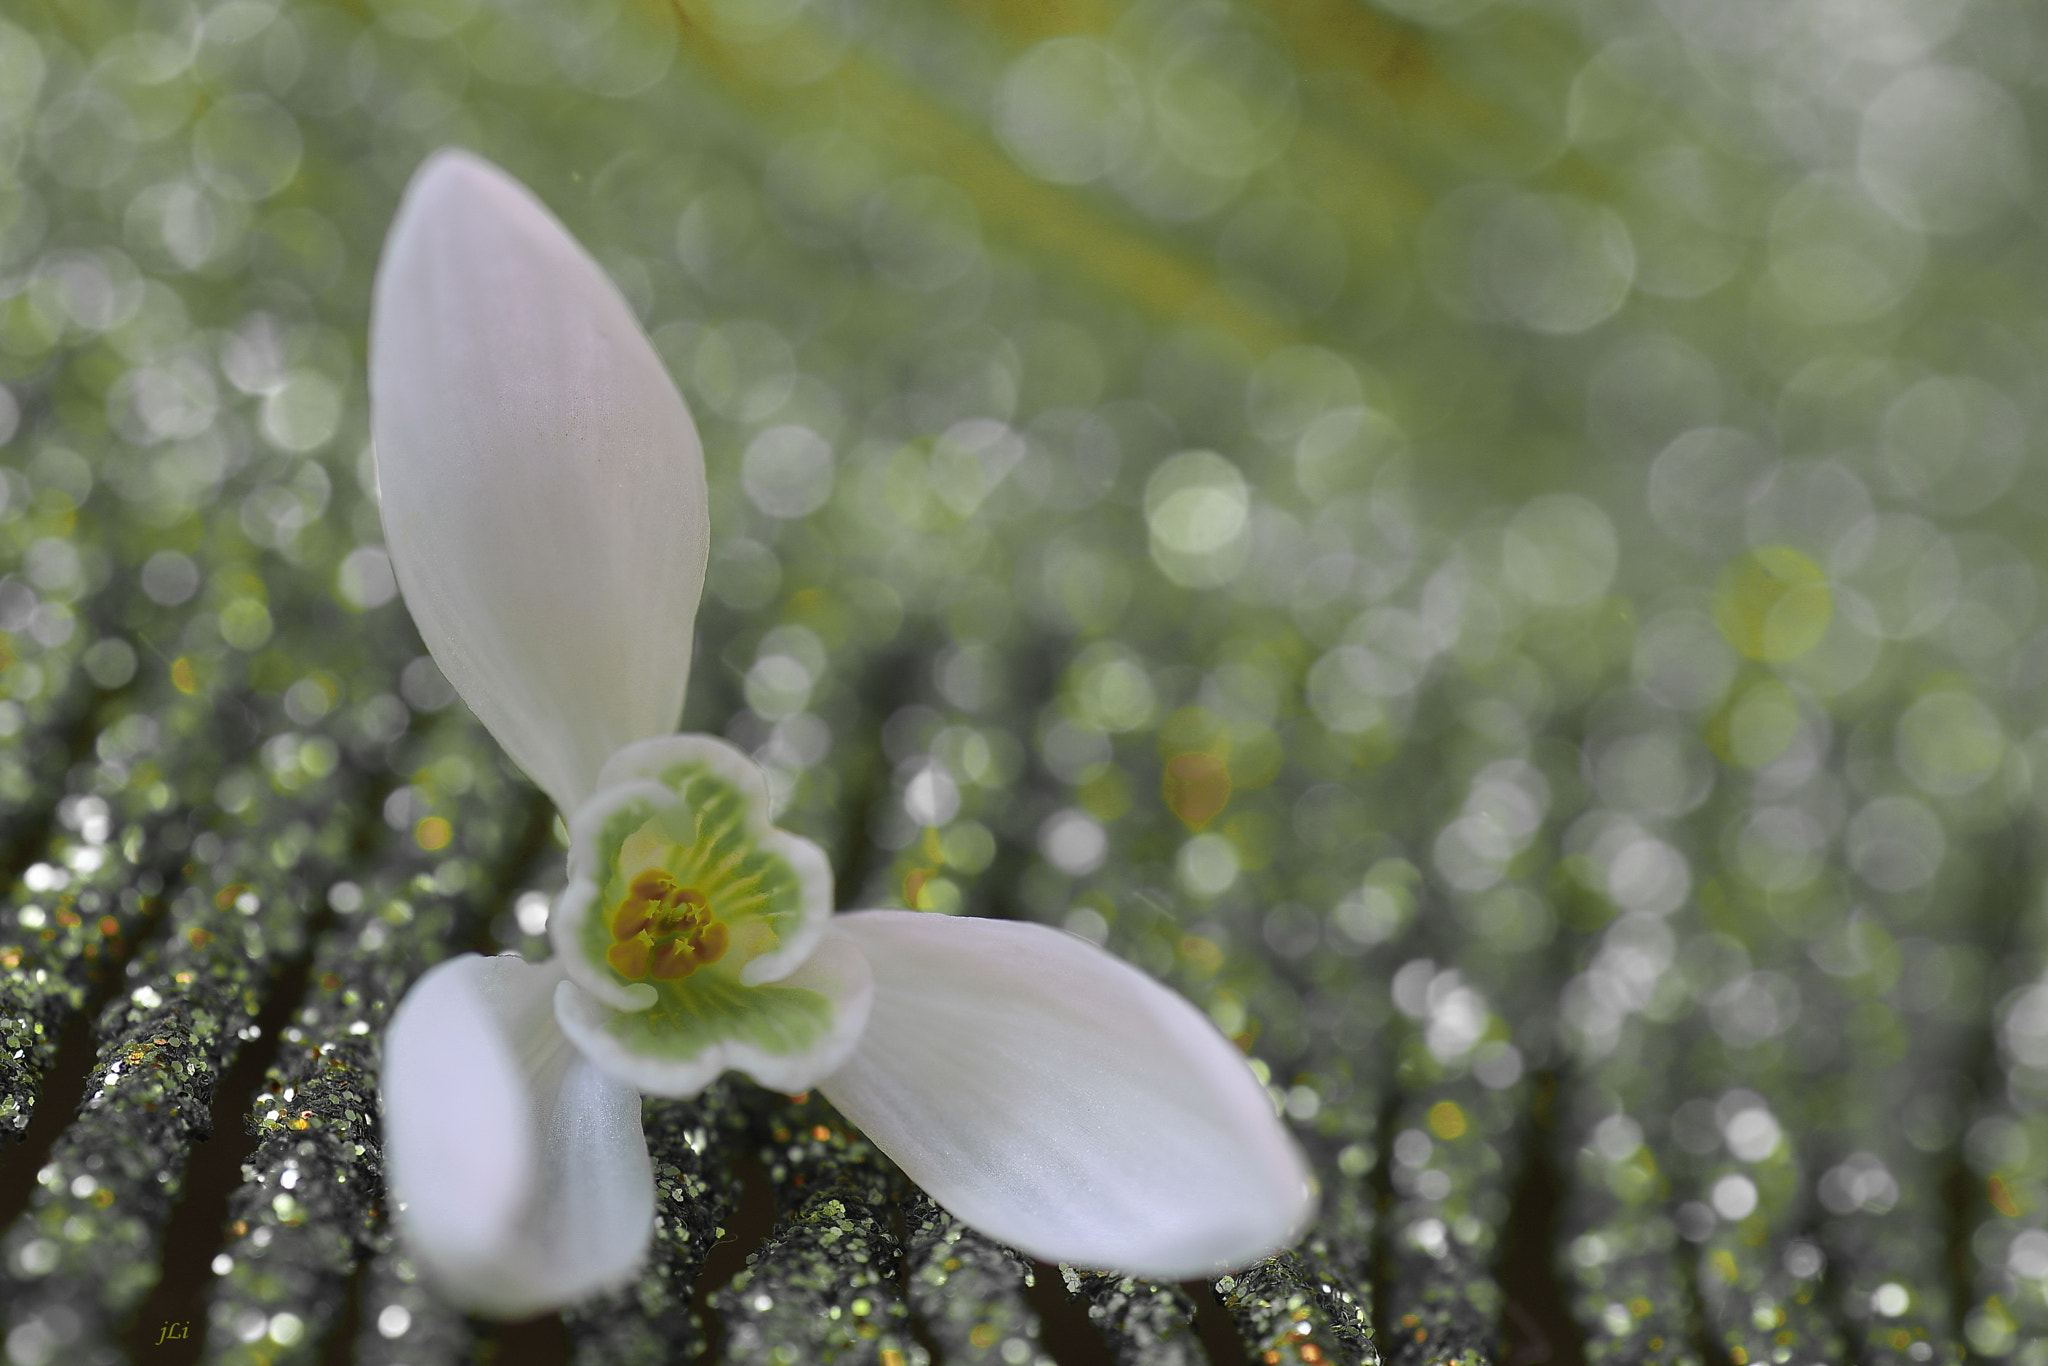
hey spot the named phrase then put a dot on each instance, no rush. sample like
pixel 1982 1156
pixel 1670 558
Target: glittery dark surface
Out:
pixel 969 1292
pixel 1286 1312
pixel 827 1284
pixel 1144 1323
pixel 310 1204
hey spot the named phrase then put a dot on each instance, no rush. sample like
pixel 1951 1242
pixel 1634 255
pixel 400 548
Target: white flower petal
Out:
pixel 542 484
pixel 772 1032
pixel 457 1128
pixel 1059 1100
pixel 519 1169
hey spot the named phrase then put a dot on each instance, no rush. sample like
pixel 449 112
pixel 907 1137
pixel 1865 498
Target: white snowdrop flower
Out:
pixel 544 510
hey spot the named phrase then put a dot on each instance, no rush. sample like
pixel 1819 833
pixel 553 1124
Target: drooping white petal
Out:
pixel 1061 1101
pixel 518 1167
pixel 542 483
pixel 785 1034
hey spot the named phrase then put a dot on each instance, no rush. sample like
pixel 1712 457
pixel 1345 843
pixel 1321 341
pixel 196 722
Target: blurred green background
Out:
pixel 1495 545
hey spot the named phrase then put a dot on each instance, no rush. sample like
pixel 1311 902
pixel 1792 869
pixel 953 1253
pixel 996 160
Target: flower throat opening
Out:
pixel 664 930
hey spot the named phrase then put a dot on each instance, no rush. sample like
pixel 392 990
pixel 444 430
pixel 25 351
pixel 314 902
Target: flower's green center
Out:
pixel 664 930
pixel 688 889
pixel 681 888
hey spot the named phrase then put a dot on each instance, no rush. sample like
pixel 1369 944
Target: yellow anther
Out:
pixel 684 954
pixel 664 930
pixel 629 957
pixel 632 918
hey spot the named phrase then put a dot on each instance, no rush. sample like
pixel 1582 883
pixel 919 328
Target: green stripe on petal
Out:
pixel 680 1025
pixel 710 849
pixel 788 1034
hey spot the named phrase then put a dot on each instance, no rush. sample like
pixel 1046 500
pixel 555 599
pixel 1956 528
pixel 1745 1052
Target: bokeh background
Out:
pixel 1494 545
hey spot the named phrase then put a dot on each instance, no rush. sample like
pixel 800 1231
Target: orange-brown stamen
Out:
pixel 664 930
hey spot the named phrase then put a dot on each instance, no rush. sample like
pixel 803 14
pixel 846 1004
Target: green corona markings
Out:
pixel 716 1007
pixel 687 898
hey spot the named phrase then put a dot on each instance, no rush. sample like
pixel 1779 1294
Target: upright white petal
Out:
pixel 1061 1101
pixel 542 483
pixel 518 1167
